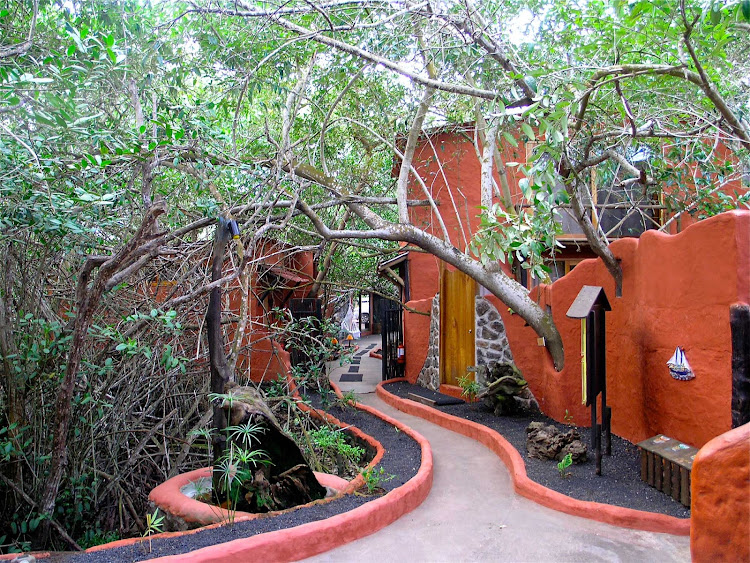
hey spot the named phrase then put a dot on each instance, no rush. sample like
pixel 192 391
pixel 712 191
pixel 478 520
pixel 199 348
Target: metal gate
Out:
pixel 301 308
pixel 393 335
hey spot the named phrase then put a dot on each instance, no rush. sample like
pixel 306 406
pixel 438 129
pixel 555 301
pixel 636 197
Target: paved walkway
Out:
pixel 472 513
pixel 369 368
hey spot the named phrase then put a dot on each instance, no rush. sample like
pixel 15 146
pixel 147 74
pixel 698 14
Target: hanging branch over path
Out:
pixel 680 72
pixel 507 290
pixel 220 372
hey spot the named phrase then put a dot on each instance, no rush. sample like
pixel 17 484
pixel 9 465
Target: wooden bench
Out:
pixel 666 464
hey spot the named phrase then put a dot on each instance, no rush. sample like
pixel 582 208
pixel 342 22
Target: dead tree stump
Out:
pixel 508 393
pixel 287 480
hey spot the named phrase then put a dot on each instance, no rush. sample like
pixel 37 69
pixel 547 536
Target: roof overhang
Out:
pixel 289 275
pixel 385 269
pixel 395 261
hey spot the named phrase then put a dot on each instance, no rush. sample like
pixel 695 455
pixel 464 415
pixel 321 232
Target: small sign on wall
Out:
pixel 678 365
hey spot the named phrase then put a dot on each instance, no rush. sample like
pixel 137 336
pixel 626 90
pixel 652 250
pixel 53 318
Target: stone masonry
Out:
pixel 429 377
pixel 491 343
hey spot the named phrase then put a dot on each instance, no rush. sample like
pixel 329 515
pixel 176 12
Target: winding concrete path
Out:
pixel 473 514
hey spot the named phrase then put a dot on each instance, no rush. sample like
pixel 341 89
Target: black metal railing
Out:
pixel 393 335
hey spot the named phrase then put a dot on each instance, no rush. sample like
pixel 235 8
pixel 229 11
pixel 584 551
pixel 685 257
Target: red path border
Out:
pixel 313 538
pixel 609 514
pixel 169 497
pixel 310 539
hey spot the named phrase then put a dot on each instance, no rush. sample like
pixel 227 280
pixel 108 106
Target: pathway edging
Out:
pixel 313 538
pixel 310 539
pixel 524 486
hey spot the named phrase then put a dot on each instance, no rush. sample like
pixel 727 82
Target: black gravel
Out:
pixel 402 459
pixel 620 483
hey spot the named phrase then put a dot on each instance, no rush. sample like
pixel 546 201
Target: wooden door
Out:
pixel 457 292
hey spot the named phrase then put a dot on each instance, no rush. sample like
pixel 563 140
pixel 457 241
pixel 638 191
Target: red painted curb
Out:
pixel 313 538
pixel 310 539
pixel 609 514
pixel 168 496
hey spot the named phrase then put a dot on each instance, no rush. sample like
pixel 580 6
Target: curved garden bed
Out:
pixel 170 497
pixel 522 483
pixel 308 530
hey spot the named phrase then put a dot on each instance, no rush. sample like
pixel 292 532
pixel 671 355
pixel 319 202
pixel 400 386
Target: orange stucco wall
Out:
pixel 720 492
pixel 448 163
pixel 676 291
pixel 424 276
pixel 259 361
pixel 416 337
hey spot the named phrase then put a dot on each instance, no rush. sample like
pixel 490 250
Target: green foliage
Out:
pixel 277 387
pixel 236 468
pixel 568 418
pixel 334 442
pixel 469 386
pixel 526 238
pixel 239 460
pixel 348 399
pixel 374 478
pixel 12 441
pixel 562 467
pixel 8 545
pixel 315 341
pixel 94 537
pixel 206 434
pixel 221 398
pixel 154 525
pixel 245 434
pixel 23 528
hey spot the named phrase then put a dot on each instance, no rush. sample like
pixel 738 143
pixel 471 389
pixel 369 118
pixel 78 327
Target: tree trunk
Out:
pixel 599 246
pixel 220 374
pixel 14 386
pixel 63 403
pixel 287 480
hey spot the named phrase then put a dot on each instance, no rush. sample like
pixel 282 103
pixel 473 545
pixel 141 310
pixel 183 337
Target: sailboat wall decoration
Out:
pixel 679 368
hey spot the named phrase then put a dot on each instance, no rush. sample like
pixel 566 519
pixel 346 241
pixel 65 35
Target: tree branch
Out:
pixel 317 36
pixel 24 46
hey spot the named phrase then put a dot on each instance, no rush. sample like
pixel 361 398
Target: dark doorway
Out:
pixel 392 335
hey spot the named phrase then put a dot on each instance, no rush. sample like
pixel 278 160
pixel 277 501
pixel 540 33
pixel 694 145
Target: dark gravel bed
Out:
pixel 402 458
pixel 620 483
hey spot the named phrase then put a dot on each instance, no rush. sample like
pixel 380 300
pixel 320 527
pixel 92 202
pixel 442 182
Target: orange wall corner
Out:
pixel 743 255
pixel 424 275
pixel 720 493
pixel 416 337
